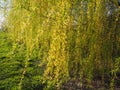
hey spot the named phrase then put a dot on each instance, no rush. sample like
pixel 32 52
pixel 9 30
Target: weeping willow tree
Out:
pixel 65 41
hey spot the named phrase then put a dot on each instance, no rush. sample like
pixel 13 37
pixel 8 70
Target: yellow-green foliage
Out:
pixel 71 38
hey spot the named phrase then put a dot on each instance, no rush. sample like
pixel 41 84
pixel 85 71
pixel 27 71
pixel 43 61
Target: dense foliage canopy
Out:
pixel 61 45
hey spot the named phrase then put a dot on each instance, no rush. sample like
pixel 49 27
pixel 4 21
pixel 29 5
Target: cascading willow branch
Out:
pixel 57 67
pixel 67 39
